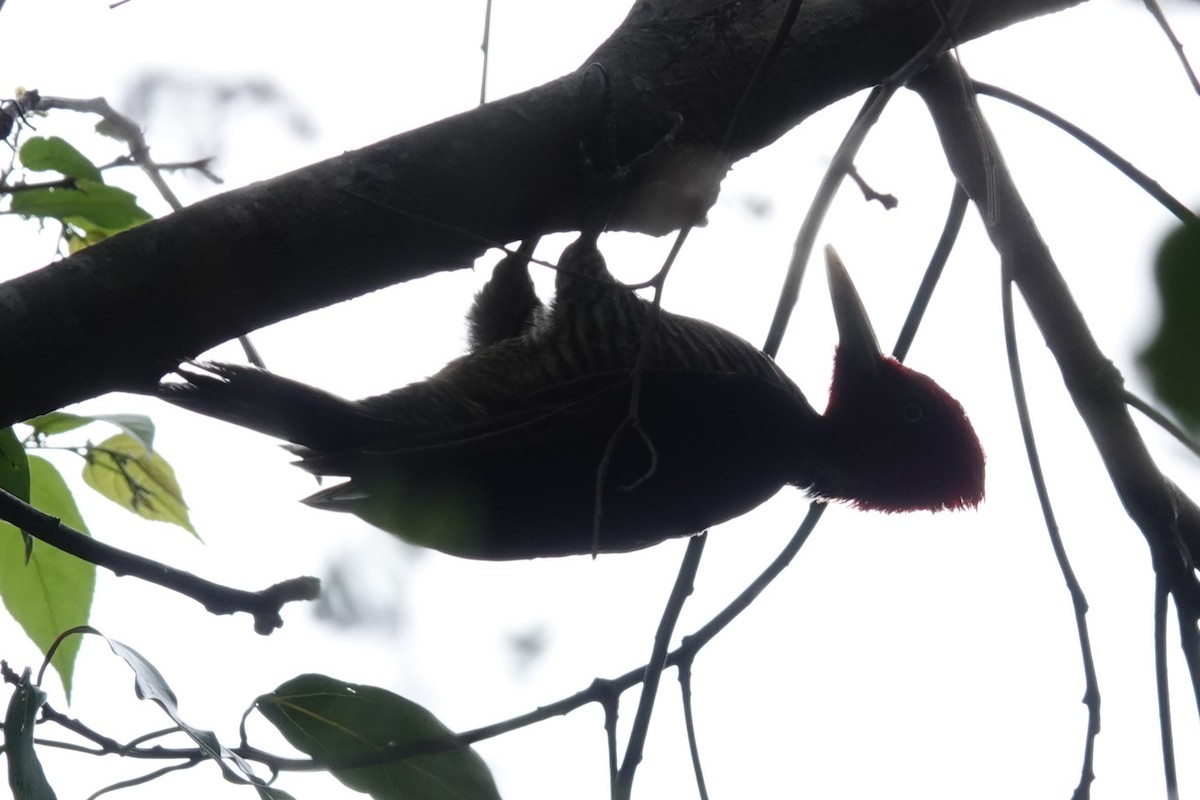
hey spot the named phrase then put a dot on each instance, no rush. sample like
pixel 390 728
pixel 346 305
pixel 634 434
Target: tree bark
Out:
pixel 631 138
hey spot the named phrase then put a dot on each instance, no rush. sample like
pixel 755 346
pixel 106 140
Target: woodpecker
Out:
pixel 604 424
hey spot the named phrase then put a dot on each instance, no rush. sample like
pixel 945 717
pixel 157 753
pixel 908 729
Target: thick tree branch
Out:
pixel 1168 519
pixel 118 315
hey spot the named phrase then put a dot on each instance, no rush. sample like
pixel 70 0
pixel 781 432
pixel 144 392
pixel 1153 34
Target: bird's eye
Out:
pixel 913 412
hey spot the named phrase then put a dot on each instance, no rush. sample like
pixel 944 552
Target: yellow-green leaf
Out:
pixel 42 153
pixel 141 481
pixel 57 422
pixel 140 426
pixel 88 205
pixel 54 590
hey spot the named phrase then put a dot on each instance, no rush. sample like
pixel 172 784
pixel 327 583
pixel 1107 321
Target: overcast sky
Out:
pixel 921 655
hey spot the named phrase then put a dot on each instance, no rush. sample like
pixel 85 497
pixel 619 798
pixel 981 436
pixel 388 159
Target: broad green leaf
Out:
pixel 54 153
pixel 139 480
pixel 53 592
pixel 89 205
pixel 334 721
pixel 1172 359
pixel 57 422
pixel 25 775
pixel 140 426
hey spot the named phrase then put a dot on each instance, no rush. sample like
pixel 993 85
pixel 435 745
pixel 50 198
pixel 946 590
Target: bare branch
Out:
pixel 1168 519
pixel 1148 184
pixel 264 605
pixel 1091 693
pixel 1156 11
pixel 684 582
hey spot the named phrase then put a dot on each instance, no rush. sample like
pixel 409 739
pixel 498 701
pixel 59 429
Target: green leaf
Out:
pixel 139 480
pixel 57 422
pixel 139 426
pixel 53 592
pixel 42 154
pixel 25 775
pixel 90 205
pixel 1172 359
pixel 334 721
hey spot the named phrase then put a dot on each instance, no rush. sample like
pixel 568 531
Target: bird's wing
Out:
pixel 568 414
pixel 688 450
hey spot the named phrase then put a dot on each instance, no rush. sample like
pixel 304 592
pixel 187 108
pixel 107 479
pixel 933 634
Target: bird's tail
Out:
pixel 262 401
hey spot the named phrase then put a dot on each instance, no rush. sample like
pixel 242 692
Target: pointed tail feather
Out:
pixel 267 403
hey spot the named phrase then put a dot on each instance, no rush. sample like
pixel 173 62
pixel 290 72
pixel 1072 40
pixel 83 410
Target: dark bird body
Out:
pixel 603 424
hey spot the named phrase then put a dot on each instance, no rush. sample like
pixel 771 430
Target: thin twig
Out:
pixel 705 634
pixel 1156 11
pixel 486 47
pixel 105 743
pixel 1187 611
pixel 1162 685
pixel 1091 692
pixel 128 131
pixel 933 273
pixel 1162 421
pixel 610 702
pixel 689 722
pixel 684 583
pixel 806 238
pixel 839 167
pixel 1126 168
pixel 144 779
pixel 61 183
pixel 264 606
pixel 202 166
pixel 888 201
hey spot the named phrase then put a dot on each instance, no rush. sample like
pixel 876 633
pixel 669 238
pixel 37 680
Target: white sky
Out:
pixel 930 656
